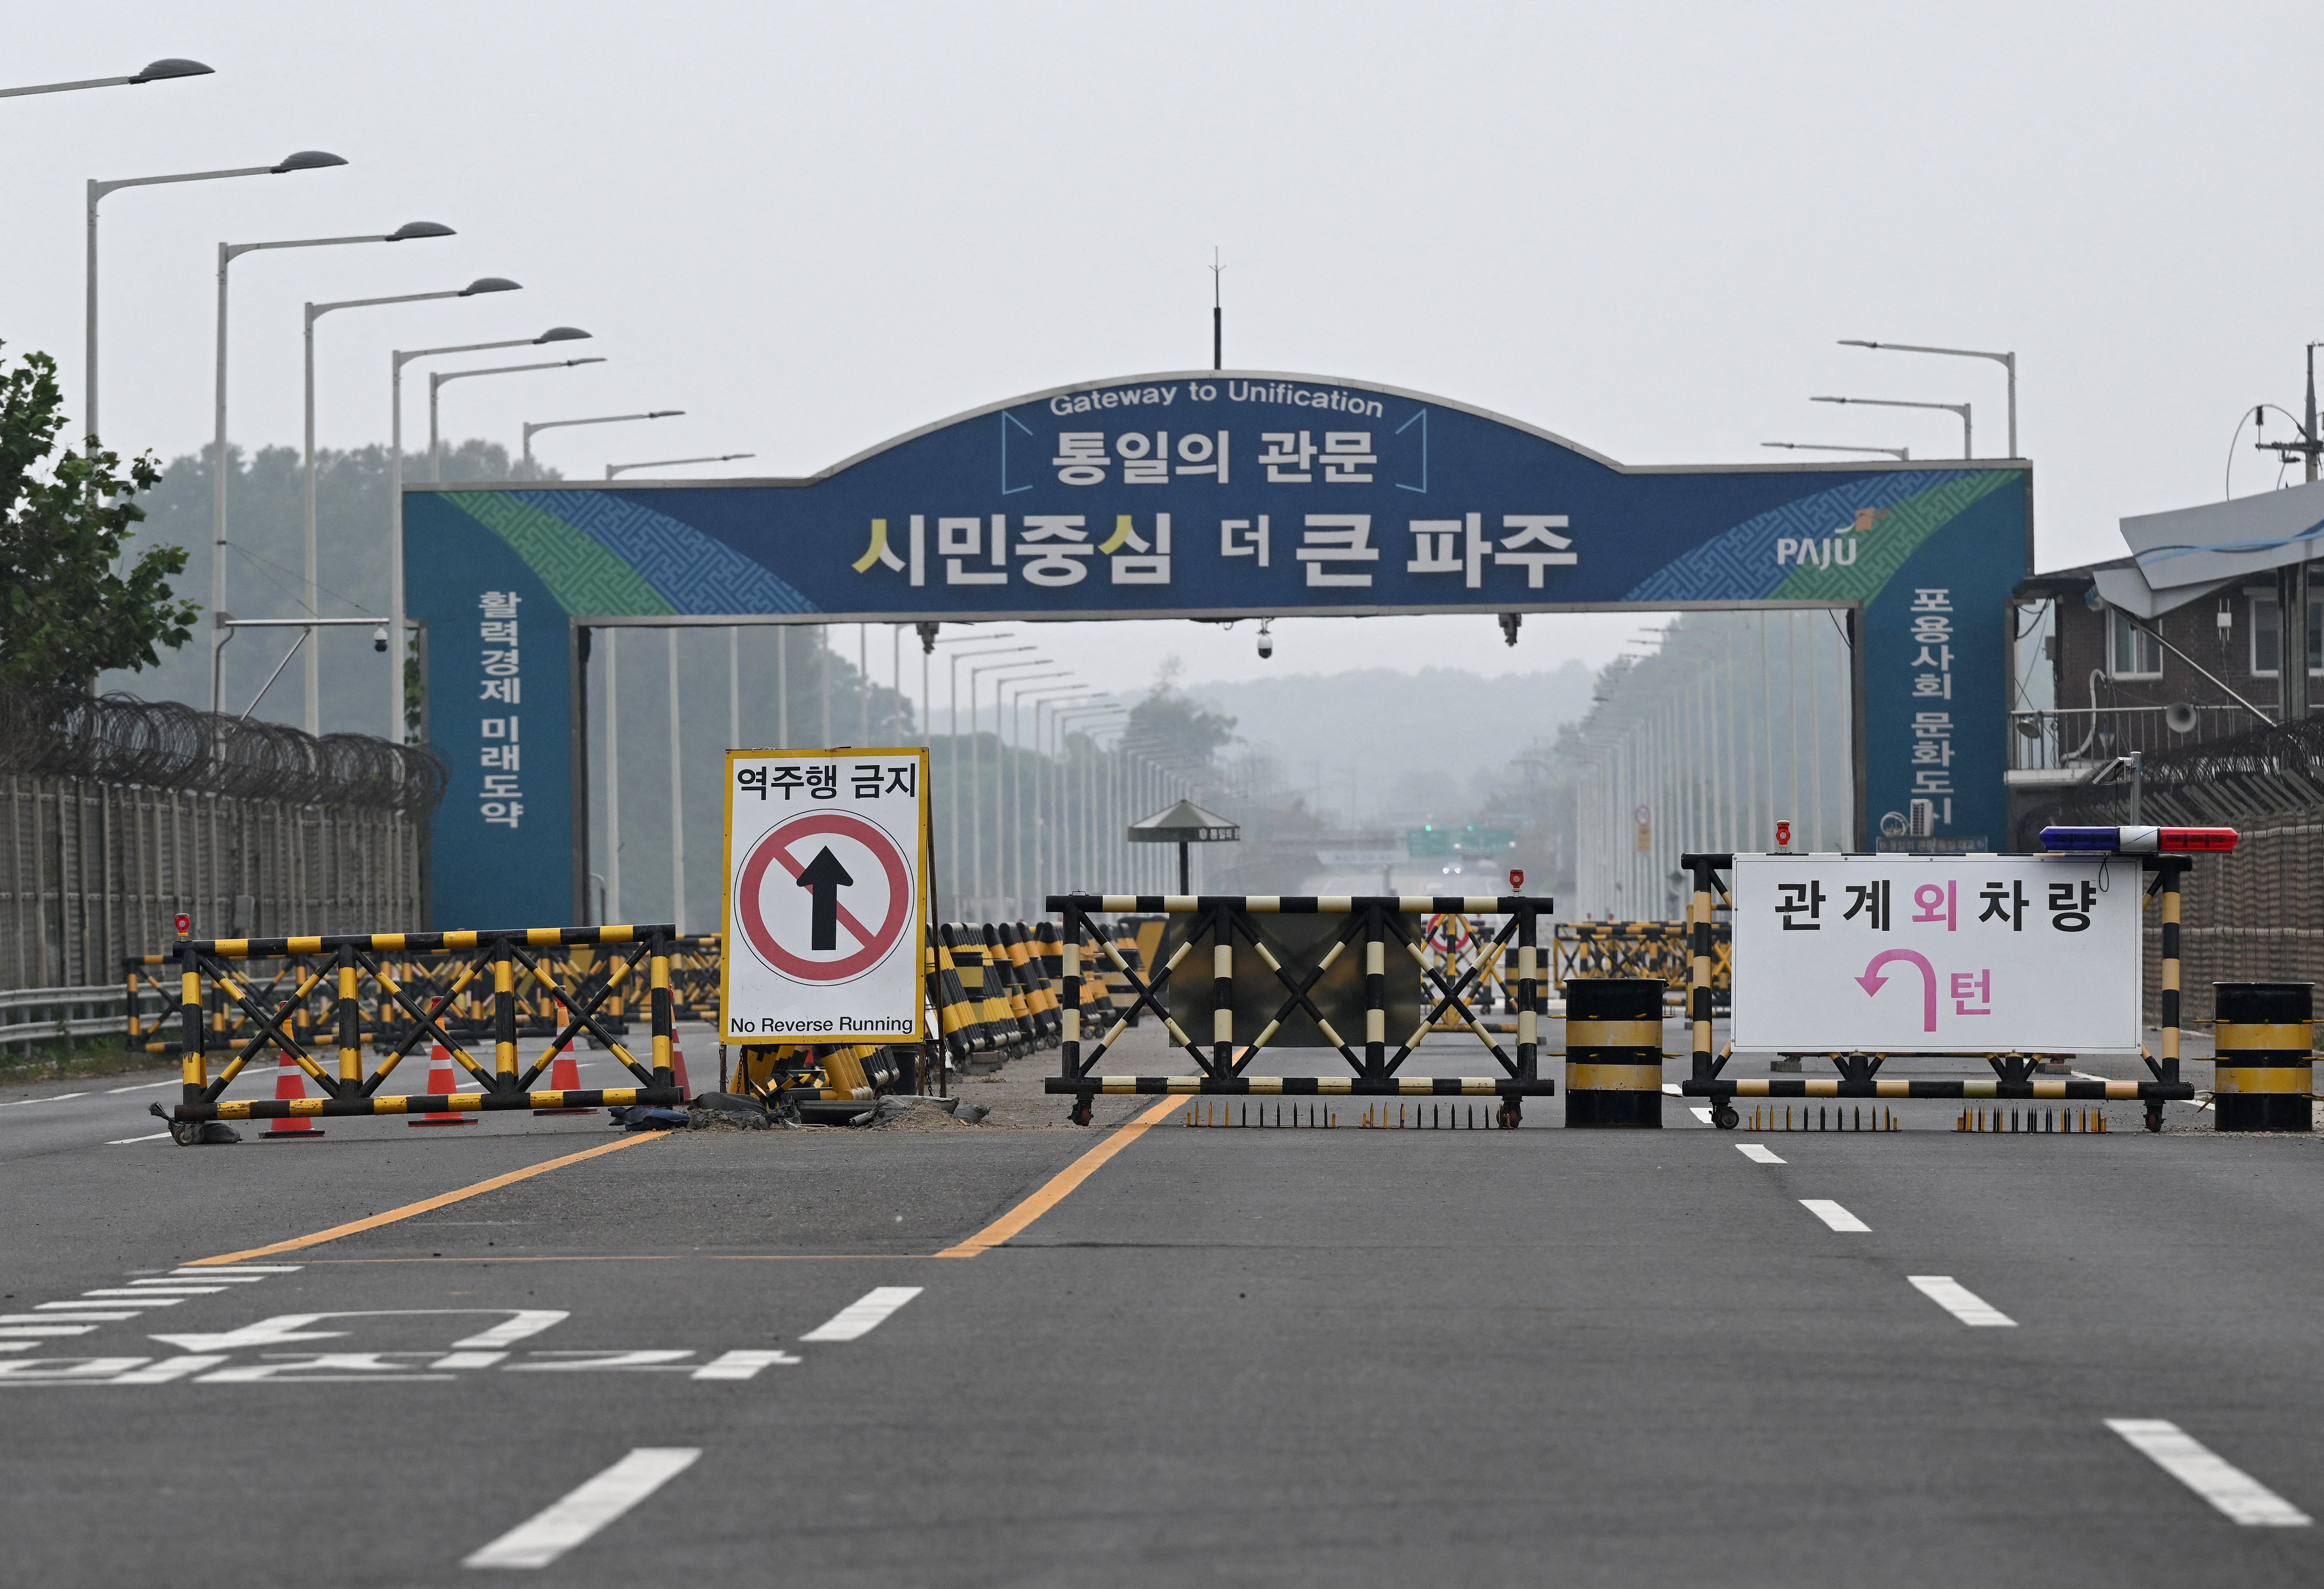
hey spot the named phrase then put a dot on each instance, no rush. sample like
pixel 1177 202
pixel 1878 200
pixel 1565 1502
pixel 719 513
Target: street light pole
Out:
pixel 2007 361
pixel 305 160
pixel 976 763
pixel 159 71
pixel 396 360
pixel 1040 698
pixel 227 253
pixel 436 383
pixel 1084 716
pixel 316 311
pixel 724 457
pixel 534 427
pixel 1968 450
pixel 951 738
pixel 1901 454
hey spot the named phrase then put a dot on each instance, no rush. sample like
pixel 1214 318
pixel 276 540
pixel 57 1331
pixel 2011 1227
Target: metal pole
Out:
pixel 864 684
pixel 435 443
pixel 613 779
pixel 823 666
pixel 676 796
pixel 395 641
pixel 733 687
pixel 311 669
pixel 88 351
pixel 217 487
pixel 783 685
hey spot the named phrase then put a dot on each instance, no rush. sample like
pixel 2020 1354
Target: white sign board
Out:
pixel 1937 954
pixel 826 869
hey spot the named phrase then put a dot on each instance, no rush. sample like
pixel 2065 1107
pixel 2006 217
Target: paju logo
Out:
pixel 1836 550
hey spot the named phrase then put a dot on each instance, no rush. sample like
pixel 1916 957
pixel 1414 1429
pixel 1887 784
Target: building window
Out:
pixel 2136 654
pixel 2264 639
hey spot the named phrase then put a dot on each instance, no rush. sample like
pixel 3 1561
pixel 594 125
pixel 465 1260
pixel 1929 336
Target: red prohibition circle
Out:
pixel 883 937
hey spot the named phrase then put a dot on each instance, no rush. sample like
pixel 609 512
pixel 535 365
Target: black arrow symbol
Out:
pixel 826 876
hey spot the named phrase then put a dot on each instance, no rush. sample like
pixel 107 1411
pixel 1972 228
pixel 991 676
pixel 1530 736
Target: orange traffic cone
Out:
pixel 291 1081
pixel 565 1076
pixel 440 1080
pixel 678 1069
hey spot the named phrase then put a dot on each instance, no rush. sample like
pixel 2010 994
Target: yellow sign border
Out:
pixel 729 940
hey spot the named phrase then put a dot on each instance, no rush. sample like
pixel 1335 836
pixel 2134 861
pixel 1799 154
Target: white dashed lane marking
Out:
pixel 1833 1215
pixel 2202 1470
pixel 541 1539
pixel 1958 1300
pixel 864 1315
pixel 55 1098
pixel 124 1141
pixel 1757 1154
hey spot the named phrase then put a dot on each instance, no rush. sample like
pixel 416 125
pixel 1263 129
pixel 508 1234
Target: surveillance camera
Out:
pixel 1266 638
pixel 379 637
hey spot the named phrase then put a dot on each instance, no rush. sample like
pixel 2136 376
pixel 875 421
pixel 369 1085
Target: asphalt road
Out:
pixel 1225 1356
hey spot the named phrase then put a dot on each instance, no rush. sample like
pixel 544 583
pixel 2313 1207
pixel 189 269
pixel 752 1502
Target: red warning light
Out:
pixel 185 924
pixel 1783 835
pixel 1516 878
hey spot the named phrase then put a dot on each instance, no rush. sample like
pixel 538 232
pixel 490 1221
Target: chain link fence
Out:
pixel 121 813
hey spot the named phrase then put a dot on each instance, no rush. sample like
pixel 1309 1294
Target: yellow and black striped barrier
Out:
pixel 1975 1087
pixel 342 962
pixel 1374 926
pixel 2263 1075
pixel 1312 1087
pixel 1613 1052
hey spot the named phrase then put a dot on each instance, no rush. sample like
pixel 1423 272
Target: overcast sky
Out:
pixel 814 226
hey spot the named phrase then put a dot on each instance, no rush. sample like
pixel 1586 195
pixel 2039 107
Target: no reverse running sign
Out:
pixel 826 876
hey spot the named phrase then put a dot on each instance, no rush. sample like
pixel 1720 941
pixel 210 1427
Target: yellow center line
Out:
pixel 422 1207
pixel 1054 1191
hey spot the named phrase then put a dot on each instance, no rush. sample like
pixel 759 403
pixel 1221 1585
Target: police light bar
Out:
pixel 2140 841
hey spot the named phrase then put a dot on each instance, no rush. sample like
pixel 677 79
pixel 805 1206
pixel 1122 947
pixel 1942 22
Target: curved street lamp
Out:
pixel 396 361
pixel 724 457
pixel 316 311
pixel 160 71
pixel 304 160
pixel 1951 408
pixel 533 427
pixel 227 253
pixel 1902 454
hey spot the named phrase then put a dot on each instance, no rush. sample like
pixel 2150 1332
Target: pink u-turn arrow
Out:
pixel 1872 982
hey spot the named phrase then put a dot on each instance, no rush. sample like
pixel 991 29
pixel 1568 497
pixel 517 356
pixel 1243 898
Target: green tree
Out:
pixel 70 604
pixel 1169 727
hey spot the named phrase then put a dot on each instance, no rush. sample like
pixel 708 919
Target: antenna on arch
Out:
pixel 1218 316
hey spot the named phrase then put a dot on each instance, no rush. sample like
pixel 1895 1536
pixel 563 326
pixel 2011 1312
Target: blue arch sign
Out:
pixel 1195 495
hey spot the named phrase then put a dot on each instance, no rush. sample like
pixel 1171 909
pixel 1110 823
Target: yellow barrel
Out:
pixel 2263 1076
pixel 1613 1051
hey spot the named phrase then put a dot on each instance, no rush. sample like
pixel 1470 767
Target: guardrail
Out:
pixel 2013 1074
pixel 1378 922
pixel 65 1003
pixel 343 962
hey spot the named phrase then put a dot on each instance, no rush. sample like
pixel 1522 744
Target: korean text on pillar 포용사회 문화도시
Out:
pixel 1932 640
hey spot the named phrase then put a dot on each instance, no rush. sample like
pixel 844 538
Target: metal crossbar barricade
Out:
pixel 339 965
pixel 1641 950
pixel 1376 922
pixel 1859 1073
